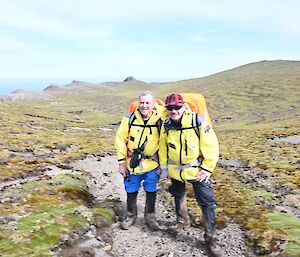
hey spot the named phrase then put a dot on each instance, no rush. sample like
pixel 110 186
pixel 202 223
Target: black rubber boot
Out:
pixel 149 213
pixel 210 232
pixel 131 211
pixel 183 219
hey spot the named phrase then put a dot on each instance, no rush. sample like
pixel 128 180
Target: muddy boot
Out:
pixel 149 213
pixel 151 222
pixel 210 228
pixel 131 211
pixel 183 219
pixel 212 246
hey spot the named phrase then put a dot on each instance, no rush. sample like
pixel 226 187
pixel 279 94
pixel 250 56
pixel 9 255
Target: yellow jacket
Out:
pixel 182 152
pixel 127 140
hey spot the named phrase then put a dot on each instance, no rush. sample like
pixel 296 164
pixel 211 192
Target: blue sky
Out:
pixel 54 42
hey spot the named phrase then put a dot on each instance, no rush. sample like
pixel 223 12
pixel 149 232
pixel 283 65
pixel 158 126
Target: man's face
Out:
pixel 146 104
pixel 175 112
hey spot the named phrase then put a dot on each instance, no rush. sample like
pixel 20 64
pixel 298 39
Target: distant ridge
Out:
pixel 247 71
pixel 260 68
pixel 266 67
pixel 256 70
pixel 77 85
pixel 24 95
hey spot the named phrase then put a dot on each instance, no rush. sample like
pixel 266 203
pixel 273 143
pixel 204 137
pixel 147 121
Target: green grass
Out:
pixel 289 225
pixel 261 193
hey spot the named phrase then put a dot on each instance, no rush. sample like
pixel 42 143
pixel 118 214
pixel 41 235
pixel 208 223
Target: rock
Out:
pixel 62 147
pixel 51 88
pixel 129 79
pixel 292 200
pixel 3 162
pixel 5 98
pixel 11 225
pixel 3 220
pixel 105 129
pixel 19 150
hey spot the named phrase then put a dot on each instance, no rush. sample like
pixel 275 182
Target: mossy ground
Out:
pixel 44 212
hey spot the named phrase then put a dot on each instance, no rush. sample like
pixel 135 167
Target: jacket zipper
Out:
pixel 180 155
pixel 139 143
pixel 141 138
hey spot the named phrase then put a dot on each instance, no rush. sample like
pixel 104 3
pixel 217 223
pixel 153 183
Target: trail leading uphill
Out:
pixel 106 183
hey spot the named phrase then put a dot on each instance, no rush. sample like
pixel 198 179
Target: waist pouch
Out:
pixel 135 158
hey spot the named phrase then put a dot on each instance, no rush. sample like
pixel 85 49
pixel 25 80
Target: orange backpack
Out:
pixel 195 101
pixel 197 104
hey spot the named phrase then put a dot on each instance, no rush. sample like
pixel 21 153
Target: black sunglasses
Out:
pixel 173 107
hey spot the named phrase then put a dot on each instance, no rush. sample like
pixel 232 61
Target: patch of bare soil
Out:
pixel 290 139
pixel 105 183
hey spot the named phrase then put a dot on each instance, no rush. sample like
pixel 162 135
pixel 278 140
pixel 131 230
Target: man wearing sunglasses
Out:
pixel 189 152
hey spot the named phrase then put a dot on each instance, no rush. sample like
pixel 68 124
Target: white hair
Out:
pixel 143 93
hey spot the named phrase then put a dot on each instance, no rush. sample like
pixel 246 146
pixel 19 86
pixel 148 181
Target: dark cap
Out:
pixel 174 99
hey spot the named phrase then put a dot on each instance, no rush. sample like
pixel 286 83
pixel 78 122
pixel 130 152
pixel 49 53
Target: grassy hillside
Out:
pixel 257 180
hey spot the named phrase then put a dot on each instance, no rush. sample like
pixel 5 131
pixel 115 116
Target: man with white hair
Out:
pixel 136 143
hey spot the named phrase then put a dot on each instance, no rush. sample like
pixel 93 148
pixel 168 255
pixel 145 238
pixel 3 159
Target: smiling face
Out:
pixel 175 112
pixel 146 105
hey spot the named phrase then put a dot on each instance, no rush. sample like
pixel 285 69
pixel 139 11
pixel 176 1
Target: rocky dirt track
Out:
pixel 106 183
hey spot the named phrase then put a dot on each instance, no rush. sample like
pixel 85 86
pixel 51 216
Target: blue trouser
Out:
pixel 204 196
pixel 133 182
pixel 132 185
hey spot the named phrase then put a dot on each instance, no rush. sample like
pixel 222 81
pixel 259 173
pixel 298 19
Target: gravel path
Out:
pixel 106 183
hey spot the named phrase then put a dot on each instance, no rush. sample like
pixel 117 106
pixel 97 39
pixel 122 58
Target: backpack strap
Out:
pixel 196 122
pixel 132 118
pixel 158 125
pixel 145 126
